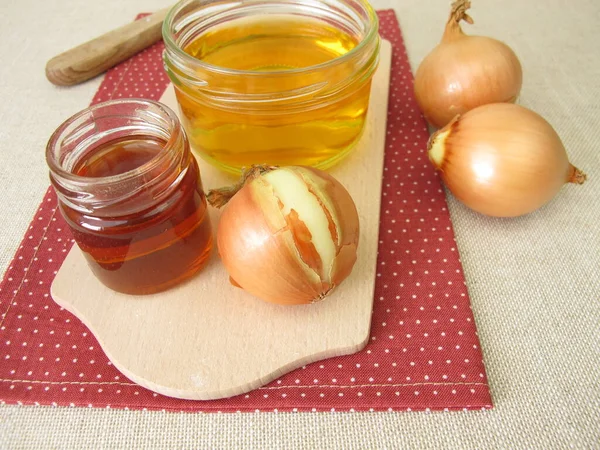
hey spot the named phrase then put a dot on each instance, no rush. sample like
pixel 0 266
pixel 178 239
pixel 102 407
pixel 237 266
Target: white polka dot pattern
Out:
pixel 423 355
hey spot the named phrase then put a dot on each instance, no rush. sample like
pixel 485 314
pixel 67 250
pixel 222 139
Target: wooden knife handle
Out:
pixel 98 55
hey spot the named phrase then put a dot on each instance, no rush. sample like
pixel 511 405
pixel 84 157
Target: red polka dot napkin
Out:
pixel 423 355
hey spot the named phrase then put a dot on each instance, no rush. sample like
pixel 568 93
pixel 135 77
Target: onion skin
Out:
pixel 502 160
pixel 273 256
pixel 464 72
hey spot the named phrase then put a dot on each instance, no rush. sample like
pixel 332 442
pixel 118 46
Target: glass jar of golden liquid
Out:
pixel 275 82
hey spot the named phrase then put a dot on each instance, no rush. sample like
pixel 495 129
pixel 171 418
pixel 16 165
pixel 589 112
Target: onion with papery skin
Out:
pixel 288 235
pixel 502 160
pixel 464 72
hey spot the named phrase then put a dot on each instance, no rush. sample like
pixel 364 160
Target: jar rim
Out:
pixel 57 169
pixel 171 45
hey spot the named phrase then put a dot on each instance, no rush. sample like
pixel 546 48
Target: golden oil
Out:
pixel 279 89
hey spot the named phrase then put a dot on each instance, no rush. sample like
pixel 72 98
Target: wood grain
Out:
pixel 206 339
pixel 98 55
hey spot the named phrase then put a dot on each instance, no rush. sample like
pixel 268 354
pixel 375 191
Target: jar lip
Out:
pixel 57 169
pixel 372 32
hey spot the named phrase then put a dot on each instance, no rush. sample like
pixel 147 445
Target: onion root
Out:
pixel 576 175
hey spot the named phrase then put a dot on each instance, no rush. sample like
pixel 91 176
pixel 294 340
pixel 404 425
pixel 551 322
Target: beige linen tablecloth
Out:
pixel 534 281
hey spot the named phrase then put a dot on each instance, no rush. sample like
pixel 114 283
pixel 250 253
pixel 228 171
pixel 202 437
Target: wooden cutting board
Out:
pixel 206 339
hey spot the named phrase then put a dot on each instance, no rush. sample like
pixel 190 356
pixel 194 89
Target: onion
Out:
pixel 502 160
pixel 288 235
pixel 464 72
